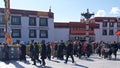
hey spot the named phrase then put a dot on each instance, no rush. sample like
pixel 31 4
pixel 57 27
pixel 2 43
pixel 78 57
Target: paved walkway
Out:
pixel 93 62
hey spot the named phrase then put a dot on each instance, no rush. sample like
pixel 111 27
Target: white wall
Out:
pixel 107 38
pixel 61 34
pixel 25 30
pixel 51 30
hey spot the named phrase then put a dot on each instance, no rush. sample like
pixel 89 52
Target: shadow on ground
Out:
pixel 43 67
pixel 79 66
pixel 87 59
pixel 96 57
pixel 16 64
pixel 55 61
pixel 113 59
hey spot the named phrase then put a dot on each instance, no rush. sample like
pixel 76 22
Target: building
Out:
pixel 27 25
pixel 74 31
pixel 100 29
pixel 108 26
pixel 61 31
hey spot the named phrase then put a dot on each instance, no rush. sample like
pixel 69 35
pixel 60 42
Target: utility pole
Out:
pixel 87 16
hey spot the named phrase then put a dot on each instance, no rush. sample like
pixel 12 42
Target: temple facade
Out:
pixel 27 25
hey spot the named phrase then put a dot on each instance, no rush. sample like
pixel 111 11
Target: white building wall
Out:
pixel 97 35
pixel 106 38
pixel 61 34
pixel 51 30
pixel 25 30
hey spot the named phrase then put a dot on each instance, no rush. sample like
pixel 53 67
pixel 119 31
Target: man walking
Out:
pixel 69 52
pixel 43 52
pixel 35 53
pixel 23 51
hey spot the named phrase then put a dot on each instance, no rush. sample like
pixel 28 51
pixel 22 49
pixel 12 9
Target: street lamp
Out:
pixel 87 16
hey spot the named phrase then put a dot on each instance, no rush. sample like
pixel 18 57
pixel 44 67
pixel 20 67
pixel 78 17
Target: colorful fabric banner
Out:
pixel 8 38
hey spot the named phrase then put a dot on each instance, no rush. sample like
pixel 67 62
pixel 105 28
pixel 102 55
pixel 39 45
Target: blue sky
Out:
pixel 69 10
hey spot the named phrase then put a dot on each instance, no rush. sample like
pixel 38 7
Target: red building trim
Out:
pixel 81 26
pixel 61 25
pixel 29 12
pixel 81 32
pixel 101 19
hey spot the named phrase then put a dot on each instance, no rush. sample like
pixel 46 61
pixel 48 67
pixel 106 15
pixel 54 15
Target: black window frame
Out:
pixel 43 20
pixel 13 20
pixel 2 32
pixel 111 24
pixel 104 32
pixel 35 33
pixel 111 32
pixel 2 21
pixel 105 24
pixel 118 24
pixel 46 33
pixel 32 21
pixel 19 32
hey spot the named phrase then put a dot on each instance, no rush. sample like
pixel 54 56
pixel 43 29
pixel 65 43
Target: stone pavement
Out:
pixel 93 62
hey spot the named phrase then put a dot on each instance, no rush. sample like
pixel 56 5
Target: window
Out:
pixel 80 38
pixel 111 24
pixel 111 32
pixel 104 24
pixel 84 38
pixel 32 21
pixel 2 20
pixel 1 33
pixel 15 20
pixel 43 33
pixel 92 38
pixel 43 22
pixel 104 32
pixel 32 33
pixel 118 24
pixel 16 33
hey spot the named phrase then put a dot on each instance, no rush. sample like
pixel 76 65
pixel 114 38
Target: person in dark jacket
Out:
pixel 79 48
pixel 5 51
pixel 43 52
pixel 88 50
pixel 48 51
pixel 114 49
pixel 61 50
pixel 23 51
pixel 35 53
pixel 75 47
pixel 69 51
pixel 31 50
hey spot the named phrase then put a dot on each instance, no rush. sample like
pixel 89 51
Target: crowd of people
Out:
pixel 62 51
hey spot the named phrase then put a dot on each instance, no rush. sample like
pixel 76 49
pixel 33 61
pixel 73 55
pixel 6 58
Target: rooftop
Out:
pixel 29 12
